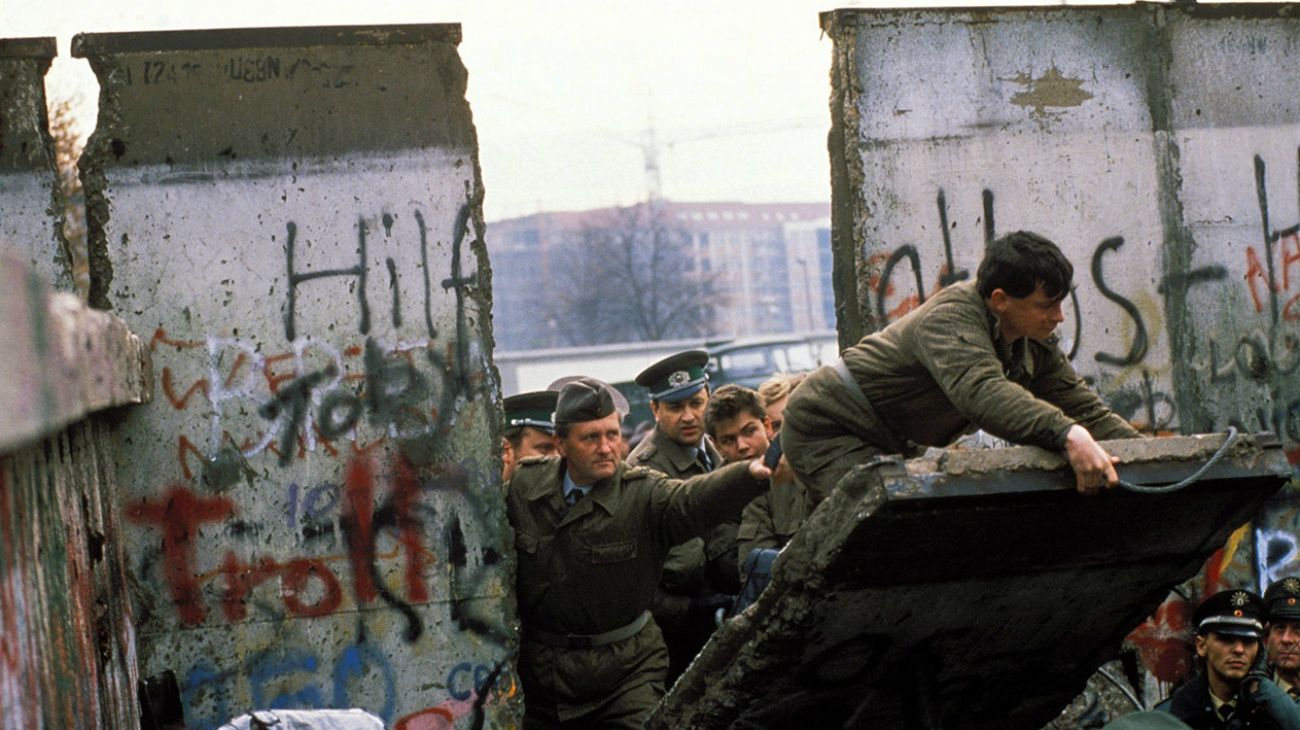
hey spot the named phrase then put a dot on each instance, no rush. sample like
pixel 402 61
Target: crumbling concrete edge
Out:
pixel 94 183
pixel 849 277
pixel 37 54
pixel 506 629
pixel 70 360
pixel 744 655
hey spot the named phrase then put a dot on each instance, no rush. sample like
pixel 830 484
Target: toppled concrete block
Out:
pixel 64 360
pixel 967 589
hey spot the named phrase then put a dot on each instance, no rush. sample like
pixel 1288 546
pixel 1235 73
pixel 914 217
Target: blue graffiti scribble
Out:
pixel 352 664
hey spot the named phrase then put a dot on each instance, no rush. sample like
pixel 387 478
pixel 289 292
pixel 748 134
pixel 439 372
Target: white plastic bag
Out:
pixel 306 720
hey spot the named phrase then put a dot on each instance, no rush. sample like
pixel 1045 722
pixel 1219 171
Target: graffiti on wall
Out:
pixel 899 285
pixel 317 477
pixel 1257 352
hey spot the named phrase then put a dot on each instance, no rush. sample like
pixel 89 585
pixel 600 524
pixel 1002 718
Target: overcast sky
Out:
pixel 563 92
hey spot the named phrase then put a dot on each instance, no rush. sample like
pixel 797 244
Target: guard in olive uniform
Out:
pixel 591 535
pixel 1233 689
pixel 1282 601
pixel 979 354
pixel 700 576
pixel 528 428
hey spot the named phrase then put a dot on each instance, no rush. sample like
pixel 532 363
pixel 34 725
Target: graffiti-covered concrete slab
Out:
pixel 30 214
pixel 1157 144
pixel 973 589
pixel 313 502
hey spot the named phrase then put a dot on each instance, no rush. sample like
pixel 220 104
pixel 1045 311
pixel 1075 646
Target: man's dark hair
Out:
pixel 1018 262
pixel 732 401
pixel 515 435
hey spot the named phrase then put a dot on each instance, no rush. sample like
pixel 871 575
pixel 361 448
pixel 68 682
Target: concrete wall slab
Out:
pixel 314 503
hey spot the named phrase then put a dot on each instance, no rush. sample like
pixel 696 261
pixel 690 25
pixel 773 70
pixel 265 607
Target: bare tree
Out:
pixel 632 277
pixel 68 145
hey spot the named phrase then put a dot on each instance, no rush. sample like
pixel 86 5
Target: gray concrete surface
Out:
pixel 293 217
pixel 971 590
pixel 30 214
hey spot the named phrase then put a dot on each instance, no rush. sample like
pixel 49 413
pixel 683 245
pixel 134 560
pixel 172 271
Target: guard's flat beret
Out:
pixel 1283 600
pixel 676 377
pixel 1231 613
pixel 531 409
pixel 584 399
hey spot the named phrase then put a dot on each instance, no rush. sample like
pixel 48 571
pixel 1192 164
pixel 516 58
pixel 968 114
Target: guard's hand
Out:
pixel 1093 467
pixel 759 471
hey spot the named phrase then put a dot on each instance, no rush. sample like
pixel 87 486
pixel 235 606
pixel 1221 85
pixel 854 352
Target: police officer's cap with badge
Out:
pixel 1231 613
pixel 1282 600
pixel 676 377
pixel 531 409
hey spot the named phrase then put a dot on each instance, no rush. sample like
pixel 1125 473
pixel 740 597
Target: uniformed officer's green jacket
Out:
pixel 771 519
pixel 689 566
pixel 593 567
pixel 940 372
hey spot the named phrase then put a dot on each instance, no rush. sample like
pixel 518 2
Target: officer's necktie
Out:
pixel 1225 711
pixel 705 462
pixel 573 496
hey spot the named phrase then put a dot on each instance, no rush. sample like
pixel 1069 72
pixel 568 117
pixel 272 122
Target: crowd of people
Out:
pixel 629 558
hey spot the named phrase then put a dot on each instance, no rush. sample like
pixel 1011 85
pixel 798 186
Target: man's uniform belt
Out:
pixel 585 641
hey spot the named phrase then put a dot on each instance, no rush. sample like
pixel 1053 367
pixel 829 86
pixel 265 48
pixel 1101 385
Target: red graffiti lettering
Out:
pixel 1291 310
pixel 160 336
pixel 1163 641
pixel 179 514
pixel 406 490
pixel 358 515
pixel 295 577
pixel 275 380
pixel 1290 254
pixel 1255 271
pixel 179 402
pixel 432 718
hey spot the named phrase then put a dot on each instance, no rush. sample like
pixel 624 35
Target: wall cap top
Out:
pixel 94 44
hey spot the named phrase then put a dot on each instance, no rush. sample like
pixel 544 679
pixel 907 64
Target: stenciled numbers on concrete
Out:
pixel 293 217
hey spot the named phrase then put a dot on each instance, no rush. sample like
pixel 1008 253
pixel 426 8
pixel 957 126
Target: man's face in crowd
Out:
pixel 591 448
pixel 532 442
pixel 1284 646
pixel 683 420
pixel 1034 316
pixel 744 437
pixel 1227 657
